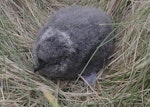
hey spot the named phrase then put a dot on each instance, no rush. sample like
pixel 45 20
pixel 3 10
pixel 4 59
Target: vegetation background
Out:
pixel 125 83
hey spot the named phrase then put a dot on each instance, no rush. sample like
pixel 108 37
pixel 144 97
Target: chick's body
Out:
pixel 69 38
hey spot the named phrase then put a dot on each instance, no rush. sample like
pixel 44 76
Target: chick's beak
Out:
pixel 39 67
pixel 36 69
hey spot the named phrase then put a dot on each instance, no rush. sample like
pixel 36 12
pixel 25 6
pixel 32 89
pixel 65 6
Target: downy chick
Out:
pixel 68 40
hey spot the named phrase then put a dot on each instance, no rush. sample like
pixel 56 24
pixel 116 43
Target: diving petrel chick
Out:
pixel 68 40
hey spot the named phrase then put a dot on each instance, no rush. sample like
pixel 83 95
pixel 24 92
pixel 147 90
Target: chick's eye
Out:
pixel 55 61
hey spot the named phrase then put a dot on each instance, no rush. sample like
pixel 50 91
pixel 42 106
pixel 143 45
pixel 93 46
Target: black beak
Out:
pixel 36 69
pixel 41 66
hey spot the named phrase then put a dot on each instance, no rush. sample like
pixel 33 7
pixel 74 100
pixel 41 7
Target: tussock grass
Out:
pixel 125 83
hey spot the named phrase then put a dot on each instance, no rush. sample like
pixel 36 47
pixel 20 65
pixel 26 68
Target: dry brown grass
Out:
pixel 125 83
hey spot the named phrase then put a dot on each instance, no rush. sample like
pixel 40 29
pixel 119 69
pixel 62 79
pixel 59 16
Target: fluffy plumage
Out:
pixel 67 41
